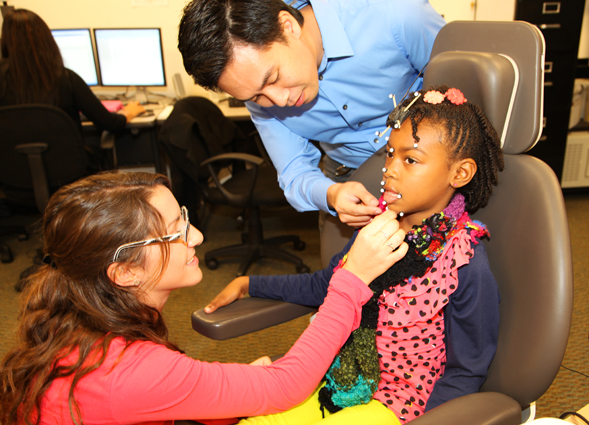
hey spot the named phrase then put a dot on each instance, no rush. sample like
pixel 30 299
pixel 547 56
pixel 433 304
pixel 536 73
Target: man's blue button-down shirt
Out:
pixel 372 49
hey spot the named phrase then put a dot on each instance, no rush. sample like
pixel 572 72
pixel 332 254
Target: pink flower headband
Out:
pixel 434 97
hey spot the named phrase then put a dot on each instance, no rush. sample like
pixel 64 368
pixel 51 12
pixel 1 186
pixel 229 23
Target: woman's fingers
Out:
pixel 378 246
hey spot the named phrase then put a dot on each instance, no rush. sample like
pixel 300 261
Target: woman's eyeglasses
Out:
pixel 168 238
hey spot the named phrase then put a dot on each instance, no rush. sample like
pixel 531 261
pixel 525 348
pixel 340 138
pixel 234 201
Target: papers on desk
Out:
pixel 165 113
pixel 112 105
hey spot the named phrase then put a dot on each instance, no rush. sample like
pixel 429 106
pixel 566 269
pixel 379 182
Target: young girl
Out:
pixel 429 333
pixel 93 347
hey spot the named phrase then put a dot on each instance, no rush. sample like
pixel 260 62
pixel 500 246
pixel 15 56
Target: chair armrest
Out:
pixel 243 196
pixel 486 408
pixel 107 140
pixel 108 143
pixel 256 160
pixel 246 316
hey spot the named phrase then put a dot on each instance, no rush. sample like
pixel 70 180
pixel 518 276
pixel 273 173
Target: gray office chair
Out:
pixel 200 141
pixel 529 250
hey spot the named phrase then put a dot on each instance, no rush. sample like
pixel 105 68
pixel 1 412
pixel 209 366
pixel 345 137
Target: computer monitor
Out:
pixel 130 57
pixel 77 52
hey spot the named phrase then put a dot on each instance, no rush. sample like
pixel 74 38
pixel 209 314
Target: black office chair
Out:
pixel 42 149
pixel 529 250
pixel 200 141
pixel 6 255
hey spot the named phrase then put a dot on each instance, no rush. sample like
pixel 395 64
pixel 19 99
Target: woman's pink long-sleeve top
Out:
pixel 151 384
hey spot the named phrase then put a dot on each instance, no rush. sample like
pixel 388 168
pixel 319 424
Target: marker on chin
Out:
pixel 390 197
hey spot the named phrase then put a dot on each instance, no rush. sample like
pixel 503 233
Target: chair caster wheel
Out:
pixel 300 245
pixel 303 269
pixel 212 263
pixel 6 255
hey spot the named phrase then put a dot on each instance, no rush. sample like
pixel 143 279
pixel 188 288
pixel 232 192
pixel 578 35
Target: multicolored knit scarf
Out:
pixel 355 373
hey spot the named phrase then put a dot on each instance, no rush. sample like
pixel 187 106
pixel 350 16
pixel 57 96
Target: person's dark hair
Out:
pixel 468 134
pixel 32 57
pixel 209 29
pixel 72 305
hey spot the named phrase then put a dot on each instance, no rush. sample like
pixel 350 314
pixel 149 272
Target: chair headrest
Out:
pixel 504 77
pixel 488 80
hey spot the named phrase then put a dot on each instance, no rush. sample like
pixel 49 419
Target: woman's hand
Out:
pixel 377 247
pixel 236 290
pixel 132 109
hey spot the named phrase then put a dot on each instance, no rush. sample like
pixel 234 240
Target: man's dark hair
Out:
pixel 209 30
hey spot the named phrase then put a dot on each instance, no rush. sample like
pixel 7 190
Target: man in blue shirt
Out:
pixel 323 70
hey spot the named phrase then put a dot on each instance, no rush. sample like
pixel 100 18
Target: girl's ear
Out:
pixel 463 172
pixel 125 275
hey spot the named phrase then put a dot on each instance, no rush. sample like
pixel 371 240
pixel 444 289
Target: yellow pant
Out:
pixel 308 412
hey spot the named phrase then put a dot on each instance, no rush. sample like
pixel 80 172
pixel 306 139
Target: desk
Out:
pixel 149 124
pixel 135 130
pixel 235 114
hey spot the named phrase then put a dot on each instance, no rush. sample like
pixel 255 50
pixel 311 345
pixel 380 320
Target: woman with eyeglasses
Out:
pixel 92 344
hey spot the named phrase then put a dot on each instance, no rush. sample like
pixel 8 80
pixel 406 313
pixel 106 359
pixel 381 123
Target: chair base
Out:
pixel 5 251
pixel 251 252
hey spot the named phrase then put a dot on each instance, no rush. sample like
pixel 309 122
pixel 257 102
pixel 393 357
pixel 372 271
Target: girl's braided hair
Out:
pixel 468 133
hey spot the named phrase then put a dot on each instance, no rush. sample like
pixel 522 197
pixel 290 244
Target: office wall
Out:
pixel 164 14
pixel 488 10
pixel 584 42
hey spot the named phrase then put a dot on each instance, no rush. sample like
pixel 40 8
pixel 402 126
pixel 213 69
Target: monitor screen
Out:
pixel 130 57
pixel 77 52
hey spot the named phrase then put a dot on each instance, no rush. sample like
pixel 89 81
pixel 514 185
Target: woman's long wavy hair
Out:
pixel 72 306
pixel 32 56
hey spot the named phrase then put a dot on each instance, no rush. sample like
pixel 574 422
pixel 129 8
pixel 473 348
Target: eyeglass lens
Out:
pixel 187 220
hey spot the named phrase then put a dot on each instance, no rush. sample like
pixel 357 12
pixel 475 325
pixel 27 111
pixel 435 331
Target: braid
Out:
pixel 468 134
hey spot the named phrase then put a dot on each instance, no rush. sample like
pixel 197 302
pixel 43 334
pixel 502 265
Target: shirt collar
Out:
pixel 333 36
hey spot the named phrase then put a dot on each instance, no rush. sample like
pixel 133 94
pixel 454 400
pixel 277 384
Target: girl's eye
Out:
pixel 410 160
pixel 389 155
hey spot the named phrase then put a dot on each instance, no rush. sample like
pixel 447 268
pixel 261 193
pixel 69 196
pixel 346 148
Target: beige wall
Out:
pixel 488 10
pixel 164 14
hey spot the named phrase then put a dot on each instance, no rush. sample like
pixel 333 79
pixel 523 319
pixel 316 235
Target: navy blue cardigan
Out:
pixel 471 318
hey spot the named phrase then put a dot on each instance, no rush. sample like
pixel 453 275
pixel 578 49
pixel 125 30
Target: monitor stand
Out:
pixel 141 95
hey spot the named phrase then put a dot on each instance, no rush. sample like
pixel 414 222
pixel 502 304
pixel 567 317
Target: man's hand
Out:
pixel 377 247
pixel 354 205
pixel 236 290
pixel 262 361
